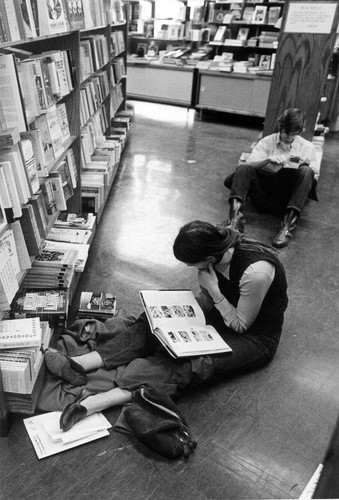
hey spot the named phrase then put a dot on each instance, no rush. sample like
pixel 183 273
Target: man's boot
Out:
pixel 288 224
pixel 236 218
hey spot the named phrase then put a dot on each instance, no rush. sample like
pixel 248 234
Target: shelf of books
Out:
pixel 244 35
pixel 104 120
pixel 246 29
pixel 62 83
pixel 221 37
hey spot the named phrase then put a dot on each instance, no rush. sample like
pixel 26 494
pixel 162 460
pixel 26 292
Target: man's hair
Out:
pixel 292 121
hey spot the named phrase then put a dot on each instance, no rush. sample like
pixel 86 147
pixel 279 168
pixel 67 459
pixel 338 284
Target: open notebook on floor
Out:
pixel 48 439
pixel 178 321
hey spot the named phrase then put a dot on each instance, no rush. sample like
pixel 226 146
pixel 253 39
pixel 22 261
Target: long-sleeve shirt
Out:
pixel 253 285
pixel 271 145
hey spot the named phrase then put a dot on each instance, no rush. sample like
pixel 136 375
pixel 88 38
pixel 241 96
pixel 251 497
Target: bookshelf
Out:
pixel 70 42
pixel 59 53
pixel 247 32
pixel 242 55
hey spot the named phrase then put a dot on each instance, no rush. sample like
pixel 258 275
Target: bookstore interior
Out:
pixel 67 69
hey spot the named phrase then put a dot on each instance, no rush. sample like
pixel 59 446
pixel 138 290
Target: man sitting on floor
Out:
pixel 279 175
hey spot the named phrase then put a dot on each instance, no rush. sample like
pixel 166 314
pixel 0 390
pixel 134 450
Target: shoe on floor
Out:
pixel 74 412
pixel 64 367
pixel 237 223
pixel 283 237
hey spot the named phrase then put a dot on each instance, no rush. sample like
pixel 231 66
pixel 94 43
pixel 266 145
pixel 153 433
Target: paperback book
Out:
pixel 178 322
pixel 55 258
pixel 8 280
pixel 43 278
pixel 47 438
pixel 7 238
pixel 70 235
pixel 20 333
pixel 75 221
pixel 81 250
pixel 48 305
pixel 19 369
pixel 99 305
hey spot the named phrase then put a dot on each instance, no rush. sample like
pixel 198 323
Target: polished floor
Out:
pixel 261 435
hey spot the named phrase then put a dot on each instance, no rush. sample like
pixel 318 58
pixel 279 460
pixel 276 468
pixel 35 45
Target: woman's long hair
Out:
pixel 198 240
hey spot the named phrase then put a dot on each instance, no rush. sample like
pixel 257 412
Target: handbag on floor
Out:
pixel 157 422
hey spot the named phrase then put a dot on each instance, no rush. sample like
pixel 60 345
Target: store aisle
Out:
pixel 261 435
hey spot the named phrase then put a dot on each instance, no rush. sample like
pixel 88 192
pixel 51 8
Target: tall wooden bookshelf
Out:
pixel 70 41
pixel 63 41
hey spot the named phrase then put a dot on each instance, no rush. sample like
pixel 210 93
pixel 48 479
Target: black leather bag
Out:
pixel 157 422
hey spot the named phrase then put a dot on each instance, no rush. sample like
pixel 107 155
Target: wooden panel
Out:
pixel 243 94
pixel 260 93
pixel 225 94
pixel 160 84
pixel 299 74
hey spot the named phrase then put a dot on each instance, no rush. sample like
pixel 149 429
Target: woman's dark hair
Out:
pixel 292 121
pixel 198 240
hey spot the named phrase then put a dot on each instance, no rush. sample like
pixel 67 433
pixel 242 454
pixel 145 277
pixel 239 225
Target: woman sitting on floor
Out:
pixel 243 293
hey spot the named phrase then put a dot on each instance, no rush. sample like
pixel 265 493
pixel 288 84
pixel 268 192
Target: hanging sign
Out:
pixel 310 17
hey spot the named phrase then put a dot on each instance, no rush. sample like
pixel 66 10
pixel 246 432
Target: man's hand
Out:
pixel 208 280
pixel 279 160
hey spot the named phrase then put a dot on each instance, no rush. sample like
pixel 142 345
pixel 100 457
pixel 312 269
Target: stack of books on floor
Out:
pixel 72 231
pixel 21 361
pixel 100 159
pixel 51 268
pixel 98 305
pixel 77 221
pixel 48 439
pixel 63 252
pixel 48 305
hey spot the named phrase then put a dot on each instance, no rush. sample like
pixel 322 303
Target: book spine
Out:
pixel 48 193
pixel 28 160
pixel 4 37
pixel 5 21
pixel 8 281
pixel 30 229
pixel 16 12
pixel 28 18
pixel 62 73
pixel 47 82
pixel 40 223
pixel 34 137
pixel 11 187
pixel 16 376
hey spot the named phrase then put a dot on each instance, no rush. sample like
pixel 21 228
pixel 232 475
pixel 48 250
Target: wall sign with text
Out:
pixel 310 17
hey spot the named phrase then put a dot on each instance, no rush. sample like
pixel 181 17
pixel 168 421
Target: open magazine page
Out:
pixel 167 309
pixel 179 323
pixel 192 341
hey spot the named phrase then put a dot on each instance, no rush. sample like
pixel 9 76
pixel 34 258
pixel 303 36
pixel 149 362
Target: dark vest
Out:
pixel 271 315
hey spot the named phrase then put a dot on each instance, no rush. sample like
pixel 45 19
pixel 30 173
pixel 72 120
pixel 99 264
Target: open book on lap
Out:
pixel 178 321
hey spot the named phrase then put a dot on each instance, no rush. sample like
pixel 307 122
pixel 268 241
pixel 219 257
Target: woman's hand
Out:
pixel 208 280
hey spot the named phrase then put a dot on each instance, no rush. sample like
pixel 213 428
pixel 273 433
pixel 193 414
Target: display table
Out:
pixel 154 82
pixel 241 93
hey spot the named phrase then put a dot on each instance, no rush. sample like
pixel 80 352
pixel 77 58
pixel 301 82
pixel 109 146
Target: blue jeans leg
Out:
pixel 134 342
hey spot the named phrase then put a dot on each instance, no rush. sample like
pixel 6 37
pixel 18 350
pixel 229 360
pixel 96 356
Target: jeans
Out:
pixel 143 360
pixel 272 193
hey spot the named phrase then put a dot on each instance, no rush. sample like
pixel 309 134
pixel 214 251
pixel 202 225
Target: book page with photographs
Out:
pixel 179 323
